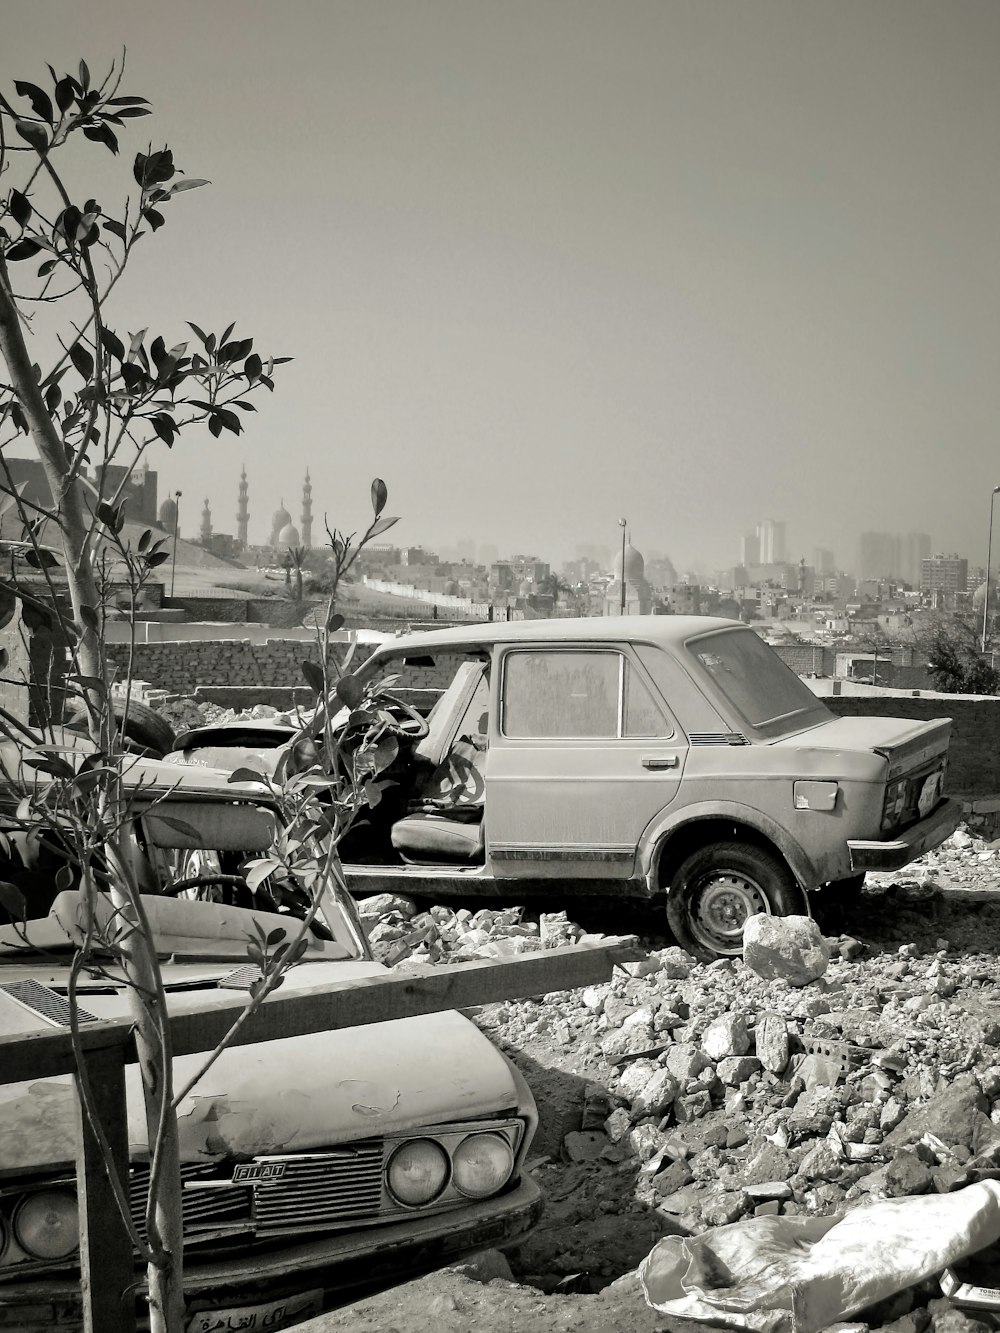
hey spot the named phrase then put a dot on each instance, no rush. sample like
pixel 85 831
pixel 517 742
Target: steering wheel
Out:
pixel 231 882
pixel 408 721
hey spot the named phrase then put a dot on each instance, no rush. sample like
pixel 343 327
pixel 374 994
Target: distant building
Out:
pixel 629 586
pixel 771 535
pixel 948 574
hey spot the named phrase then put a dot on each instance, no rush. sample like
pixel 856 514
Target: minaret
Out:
pixel 243 511
pixel 307 512
pixel 206 524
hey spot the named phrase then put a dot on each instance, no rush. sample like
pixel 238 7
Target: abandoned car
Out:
pixel 672 757
pixel 310 1163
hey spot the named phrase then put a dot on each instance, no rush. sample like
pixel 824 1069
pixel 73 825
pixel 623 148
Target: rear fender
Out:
pixel 666 828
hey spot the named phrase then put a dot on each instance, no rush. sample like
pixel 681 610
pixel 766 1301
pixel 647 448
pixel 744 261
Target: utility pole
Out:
pixel 622 522
pixel 177 520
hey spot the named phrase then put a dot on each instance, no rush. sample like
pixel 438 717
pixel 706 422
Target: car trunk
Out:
pixel 906 744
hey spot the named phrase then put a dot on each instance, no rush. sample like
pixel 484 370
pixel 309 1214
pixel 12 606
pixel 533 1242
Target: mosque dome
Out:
pixel 168 515
pixel 281 519
pixel 289 535
pixel 635 566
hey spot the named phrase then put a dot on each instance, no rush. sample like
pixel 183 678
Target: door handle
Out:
pixel 655 761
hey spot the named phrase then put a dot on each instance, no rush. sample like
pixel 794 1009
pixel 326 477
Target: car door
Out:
pixel 583 754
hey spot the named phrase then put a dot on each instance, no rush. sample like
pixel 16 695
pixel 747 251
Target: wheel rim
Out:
pixel 721 902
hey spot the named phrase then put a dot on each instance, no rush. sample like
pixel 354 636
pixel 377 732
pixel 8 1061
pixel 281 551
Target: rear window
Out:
pixel 767 695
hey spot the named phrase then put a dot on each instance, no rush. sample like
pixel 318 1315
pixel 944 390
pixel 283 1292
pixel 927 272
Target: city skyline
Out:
pixel 542 266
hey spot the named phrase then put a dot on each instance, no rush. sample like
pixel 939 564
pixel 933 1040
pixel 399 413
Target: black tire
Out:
pixel 716 888
pixel 145 727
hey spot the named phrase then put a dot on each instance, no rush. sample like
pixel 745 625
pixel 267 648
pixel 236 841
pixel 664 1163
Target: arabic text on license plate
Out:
pixel 929 794
pixel 254 1318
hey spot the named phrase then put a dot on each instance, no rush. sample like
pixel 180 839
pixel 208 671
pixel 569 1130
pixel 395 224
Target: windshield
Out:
pixel 768 696
pixel 191 860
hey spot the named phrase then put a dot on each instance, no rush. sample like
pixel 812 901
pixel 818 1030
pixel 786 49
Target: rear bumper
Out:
pixel 370 1258
pixel 919 838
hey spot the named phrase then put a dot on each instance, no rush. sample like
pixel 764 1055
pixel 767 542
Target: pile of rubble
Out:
pixel 814 1075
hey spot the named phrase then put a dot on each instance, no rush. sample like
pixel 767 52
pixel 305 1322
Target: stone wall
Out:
pixel 182 666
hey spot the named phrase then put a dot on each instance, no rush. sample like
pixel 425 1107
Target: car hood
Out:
pixel 295 1095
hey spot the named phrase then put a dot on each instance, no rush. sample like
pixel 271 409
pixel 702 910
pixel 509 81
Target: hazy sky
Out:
pixel 543 263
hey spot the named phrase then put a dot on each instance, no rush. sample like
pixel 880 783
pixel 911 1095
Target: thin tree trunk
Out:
pixel 165 1274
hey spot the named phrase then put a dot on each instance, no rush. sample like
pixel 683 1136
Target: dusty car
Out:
pixel 669 757
pixel 342 1157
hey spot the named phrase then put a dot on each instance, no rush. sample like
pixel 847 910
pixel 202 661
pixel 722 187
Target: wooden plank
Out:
pixel 340 1004
pixel 106 1256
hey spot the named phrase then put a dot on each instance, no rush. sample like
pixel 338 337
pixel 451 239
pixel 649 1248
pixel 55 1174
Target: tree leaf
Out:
pixel 88 614
pixel 215 424
pixel 113 344
pixel 40 101
pixel 82 360
pixel 380 493
pixel 23 249
pixel 252 367
pixel 66 92
pixel 165 427
pixel 13 901
pixel 200 332
pixel 20 208
pixel 115 228
pixel 188 183
pixel 128 101
pixel 312 674
pixel 382 525
pixel 84 75
pixel 131 111
pixel 154 218
pixel 275 936
pixel 350 691
pixel 32 134
pixel 334 621
pixel 157 558
pixel 102 134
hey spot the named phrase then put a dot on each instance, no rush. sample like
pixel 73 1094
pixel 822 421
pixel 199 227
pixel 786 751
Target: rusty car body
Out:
pixel 666 757
pixel 310 1163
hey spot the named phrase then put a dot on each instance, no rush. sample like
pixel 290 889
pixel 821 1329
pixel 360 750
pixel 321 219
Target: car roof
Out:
pixel 562 629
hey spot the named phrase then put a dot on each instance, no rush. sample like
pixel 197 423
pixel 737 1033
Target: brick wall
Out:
pixel 180 667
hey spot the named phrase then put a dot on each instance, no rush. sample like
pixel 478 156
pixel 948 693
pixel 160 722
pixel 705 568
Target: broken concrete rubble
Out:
pixel 837 1064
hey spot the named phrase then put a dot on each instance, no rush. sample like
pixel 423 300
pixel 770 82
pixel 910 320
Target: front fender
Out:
pixel 662 828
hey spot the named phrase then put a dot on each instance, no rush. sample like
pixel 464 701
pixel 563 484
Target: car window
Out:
pixel 574 693
pixel 766 693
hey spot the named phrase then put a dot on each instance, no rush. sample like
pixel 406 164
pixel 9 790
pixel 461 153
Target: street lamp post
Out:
pixel 622 524
pixel 177 519
pixel 989 557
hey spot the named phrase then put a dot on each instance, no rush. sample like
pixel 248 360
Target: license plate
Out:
pixel 929 794
pixel 271 1315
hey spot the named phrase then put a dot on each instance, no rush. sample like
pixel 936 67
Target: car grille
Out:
pixel 296 1191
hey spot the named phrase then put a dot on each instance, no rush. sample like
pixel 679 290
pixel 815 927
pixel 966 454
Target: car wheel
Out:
pixel 716 888
pixel 145 727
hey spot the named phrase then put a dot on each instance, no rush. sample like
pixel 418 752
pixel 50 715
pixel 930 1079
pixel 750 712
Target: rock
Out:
pixel 593 997
pixel 819 1071
pixel 645 1141
pixel 769 1189
pixel 946 1319
pixel 618 1124
pixel 769 1163
pixel 727 1036
pixel 597 1106
pixel 381 904
pixel 676 964
pixel 692 1106
pixel 627 1041
pixel 821 1163
pixel 634 1078
pixel 688 1198
pixel 584 1145
pixel 656 1094
pixel 907 1174
pixel 672 1178
pixel 737 1069
pixel 789 948
pixel 722 1209
pixel 950 1115
pixel 485 1266
pixel 771 1042
pixel 685 1060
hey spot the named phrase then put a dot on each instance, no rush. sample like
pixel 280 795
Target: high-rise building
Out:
pixel 823 561
pixel 915 549
pixel 944 573
pixel 771 535
pixel 750 550
pixel 878 555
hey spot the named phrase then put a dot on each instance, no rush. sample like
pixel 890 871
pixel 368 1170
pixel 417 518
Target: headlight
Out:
pixel 482 1164
pixel 418 1172
pixel 47 1224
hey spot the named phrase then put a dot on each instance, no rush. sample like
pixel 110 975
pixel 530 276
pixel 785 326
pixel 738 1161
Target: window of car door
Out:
pixel 577 694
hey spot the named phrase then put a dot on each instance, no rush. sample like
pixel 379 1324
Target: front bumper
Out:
pixel 919 838
pixel 369 1258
